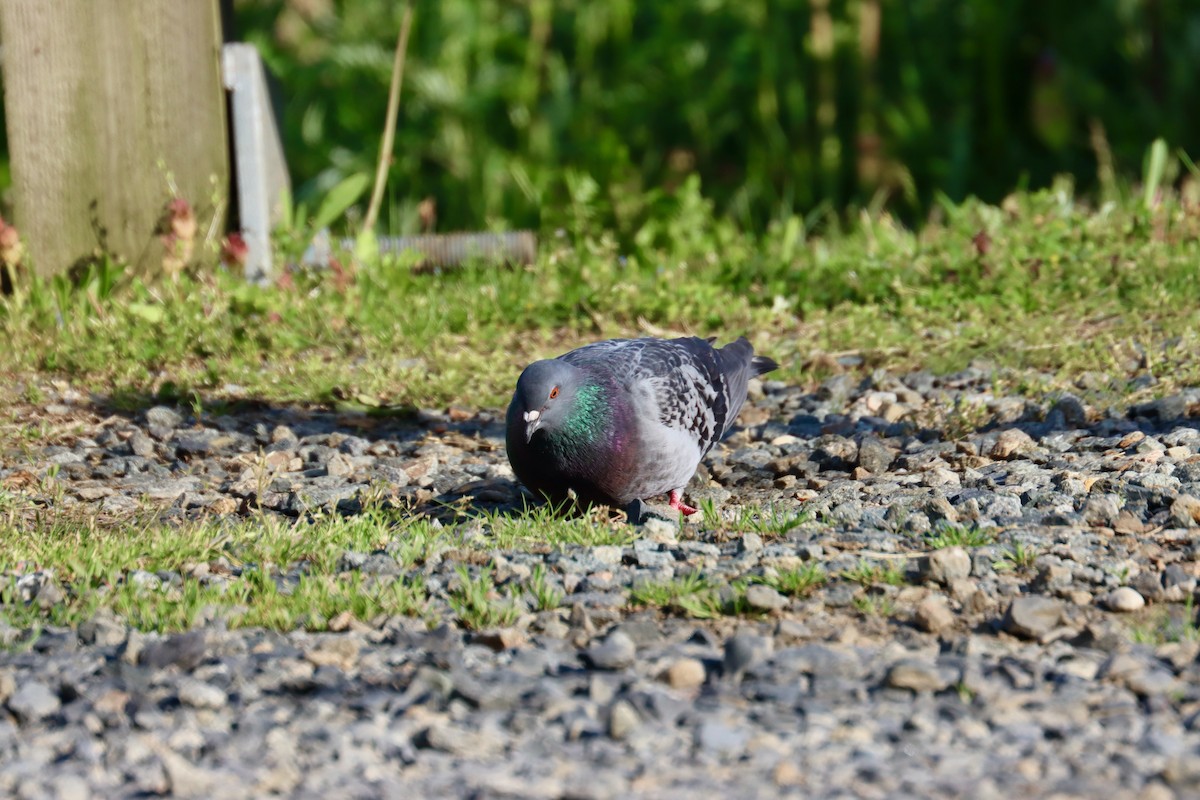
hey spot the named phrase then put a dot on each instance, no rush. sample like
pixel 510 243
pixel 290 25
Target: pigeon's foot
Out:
pixel 680 506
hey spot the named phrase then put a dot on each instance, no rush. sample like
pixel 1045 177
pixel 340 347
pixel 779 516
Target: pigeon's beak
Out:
pixel 533 421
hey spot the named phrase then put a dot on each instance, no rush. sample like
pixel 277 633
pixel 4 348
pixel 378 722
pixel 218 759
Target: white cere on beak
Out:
pixel 530 416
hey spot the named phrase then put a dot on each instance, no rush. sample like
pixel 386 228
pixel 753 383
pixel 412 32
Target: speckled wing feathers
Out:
pixel 686 383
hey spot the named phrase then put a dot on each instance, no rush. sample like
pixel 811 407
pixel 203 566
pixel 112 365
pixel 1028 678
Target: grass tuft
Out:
pixel 798 582
pixel 1017 557
pixel 477 603
pixel 693 595
pixel 959 536
pixel 869 574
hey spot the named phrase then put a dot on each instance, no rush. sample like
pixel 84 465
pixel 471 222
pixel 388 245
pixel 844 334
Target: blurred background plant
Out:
pixel 521 114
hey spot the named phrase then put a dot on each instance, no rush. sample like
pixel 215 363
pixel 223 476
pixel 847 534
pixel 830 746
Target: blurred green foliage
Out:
pixel 781 106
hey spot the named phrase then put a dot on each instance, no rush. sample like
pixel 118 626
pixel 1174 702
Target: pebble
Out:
pixel 1124 599
pixel 743 651
pixel 917 675
pixel 1010 443
pixel 720 738
pixel 8 684
pixel 616 651
pixel 199 694
pixel 947 565
pixel 685 673
pixel 934 615
pixel 1185 511
pixel 765 598
pixel 658 530
pixel 874 456
pixel 1033 616
pixel 70 787
pixel 622 720
pixel 33 701
pixel 338 651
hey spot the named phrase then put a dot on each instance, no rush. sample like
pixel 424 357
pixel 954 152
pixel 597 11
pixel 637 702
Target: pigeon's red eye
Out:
pixel 554 393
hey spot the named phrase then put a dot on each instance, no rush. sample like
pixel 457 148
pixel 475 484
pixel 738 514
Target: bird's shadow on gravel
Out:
pixel 396 435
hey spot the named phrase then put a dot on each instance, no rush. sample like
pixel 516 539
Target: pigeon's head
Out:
pixel 546 394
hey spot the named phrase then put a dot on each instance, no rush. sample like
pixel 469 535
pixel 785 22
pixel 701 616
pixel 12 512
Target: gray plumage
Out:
pixel 626 419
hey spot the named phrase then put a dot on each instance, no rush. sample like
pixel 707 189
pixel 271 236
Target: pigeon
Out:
pixel 624 420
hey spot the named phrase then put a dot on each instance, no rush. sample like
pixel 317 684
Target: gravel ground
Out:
pixel 1074 675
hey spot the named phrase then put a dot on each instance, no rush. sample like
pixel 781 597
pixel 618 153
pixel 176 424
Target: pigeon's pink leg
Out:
pixel 678 504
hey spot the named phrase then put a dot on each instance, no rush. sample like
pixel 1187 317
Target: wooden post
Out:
pixel 113 108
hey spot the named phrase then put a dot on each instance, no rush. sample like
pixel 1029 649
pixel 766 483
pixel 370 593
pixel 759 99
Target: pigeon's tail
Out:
pixel 738 365
pixel 761 365
pixel 737 359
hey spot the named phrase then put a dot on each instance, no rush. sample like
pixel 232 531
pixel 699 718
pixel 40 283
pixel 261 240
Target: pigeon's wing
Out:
pixel 686 384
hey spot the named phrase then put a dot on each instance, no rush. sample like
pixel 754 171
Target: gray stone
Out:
pixel 616 651
pixel 660 530
pixel 840 595
pixel 103 630
pixel 918 676
pixel 1165 408
pixel 1070 410
pixel 1102 509
pixel 607 554
pixel 1151 682
pixel 33 701
pixel 720 738
pixel 934 615
pixel 623 720
pixel 1123 599
pixel 70 787
pixel 874 456
pixel 1185 511
pixel 750 543
pixel 764 598
pixel 744 650
pixel 1032 616
pixel 462 741
pixel 1052 575
pixel 164 417
pixel 141 444
pixel 199 694
pixel 939 508
pixel 1011 443
pixel 946 565
pixel 184 650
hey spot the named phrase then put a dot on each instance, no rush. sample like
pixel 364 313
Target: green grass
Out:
pixel 1175 623
pixel 959 536
pixel 772 521
pixel 541 526
pixel 869 574
pixel 693 595
pixel 1062 289
pixel 545 596
pixel 799 582
pixel 1017 557
pixel 478 604
pixel 875 605
pixel 91 560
